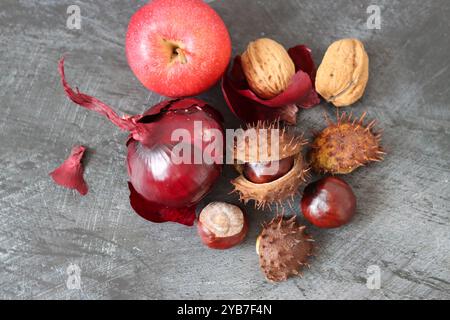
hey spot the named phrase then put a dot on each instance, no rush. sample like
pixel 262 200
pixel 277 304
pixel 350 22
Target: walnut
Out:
pixel 344 72
pixel 268 67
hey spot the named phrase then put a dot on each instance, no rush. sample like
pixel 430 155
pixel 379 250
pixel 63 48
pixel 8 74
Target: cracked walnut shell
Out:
pixel 342 77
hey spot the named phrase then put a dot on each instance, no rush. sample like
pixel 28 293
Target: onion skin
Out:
pixel 250 108
pixel 161 190
pixel 156 213
pixel 70 173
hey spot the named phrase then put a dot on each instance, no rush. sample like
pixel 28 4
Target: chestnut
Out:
pixel 262 172
pixel 269 176
pixel 222 225
pixel 328 203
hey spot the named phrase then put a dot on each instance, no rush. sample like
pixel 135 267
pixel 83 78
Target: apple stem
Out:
pixel 175 50
pixel 180 55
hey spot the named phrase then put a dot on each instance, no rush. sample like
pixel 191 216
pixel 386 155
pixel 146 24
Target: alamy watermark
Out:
pixel 73 21
pixel 373 277
pixel 73 281
pixel 374 19
pixel 239 144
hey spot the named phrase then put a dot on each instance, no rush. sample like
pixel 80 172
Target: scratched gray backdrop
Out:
pixel 402 223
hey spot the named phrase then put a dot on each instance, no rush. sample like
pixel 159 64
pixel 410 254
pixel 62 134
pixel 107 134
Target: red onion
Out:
pixel 250 108
pixel 70 173
pixel 162 190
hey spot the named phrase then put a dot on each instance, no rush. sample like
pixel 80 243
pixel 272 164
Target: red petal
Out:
pixel 158 214
pixel 70 173
pixel 252 111
pixel 302 57
pixel 246 105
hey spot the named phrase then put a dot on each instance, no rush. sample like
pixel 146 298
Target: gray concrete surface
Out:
pixel 402 224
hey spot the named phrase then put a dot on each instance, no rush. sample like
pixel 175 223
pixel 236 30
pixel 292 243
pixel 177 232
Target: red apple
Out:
pixel 178 48
pixel 328 203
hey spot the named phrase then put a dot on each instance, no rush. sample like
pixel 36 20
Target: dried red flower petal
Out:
pixel 247 106
pixel 70 173
pixel 156 213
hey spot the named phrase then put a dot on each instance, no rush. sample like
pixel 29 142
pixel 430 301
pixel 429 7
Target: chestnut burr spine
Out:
pixel 360 145
pixel 283 248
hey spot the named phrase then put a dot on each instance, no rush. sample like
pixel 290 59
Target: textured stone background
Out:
pixel 402 224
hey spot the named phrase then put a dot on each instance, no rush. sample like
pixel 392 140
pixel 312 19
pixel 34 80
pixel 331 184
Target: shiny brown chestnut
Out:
pixel 222 225
pixel 328 203
pixel 264 172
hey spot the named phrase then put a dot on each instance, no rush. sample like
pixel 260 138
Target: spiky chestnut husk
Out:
pixel 281 189
pixel 346 145
pixel 283 248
